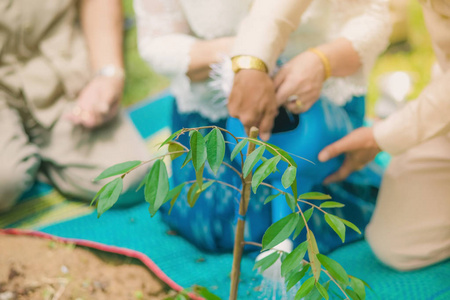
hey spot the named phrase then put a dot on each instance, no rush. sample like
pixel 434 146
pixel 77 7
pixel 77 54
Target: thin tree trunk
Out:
pixel 239 236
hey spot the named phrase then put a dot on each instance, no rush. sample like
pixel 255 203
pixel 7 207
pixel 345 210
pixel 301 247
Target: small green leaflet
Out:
pixel 289 176
pixel 267 261
pixel 358 286
pixel 252 159
pixel 271 197
pixel 305 289
pixel 312 252
pixel 170 137
pixel 198 149
pixel 352 294
pixel 175 147
pixel 294 259
pixel 205 185
pixel 290 200
pixel 331 204
pixel 301 223
pixel 296 277
pixel 187 159
pixel 322 290
pixel 118 169
pixel 144 180
pixel 279 231
pixel 334 268
pixel 215 149
pixel 157 186
pixel 337 225
pixel 199 175
pixel 173 195
pixel 109 195
pixel 264 170
pixel 314 196
pixel 274 149
pixel 192 195
pixel 205 293
pixel 238 149
pixel 351 225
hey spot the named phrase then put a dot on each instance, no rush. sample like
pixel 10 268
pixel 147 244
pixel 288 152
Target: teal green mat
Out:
pixel 133 228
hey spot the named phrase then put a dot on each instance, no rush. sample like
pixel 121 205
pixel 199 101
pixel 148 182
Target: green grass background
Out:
pixel 417 59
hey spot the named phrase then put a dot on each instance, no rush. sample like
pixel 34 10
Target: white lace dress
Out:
pixel 168 28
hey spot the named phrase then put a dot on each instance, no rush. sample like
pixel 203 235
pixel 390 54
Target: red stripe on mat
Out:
pixel 102 247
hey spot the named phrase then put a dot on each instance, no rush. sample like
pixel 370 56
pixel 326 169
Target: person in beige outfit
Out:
pixel 61 79
pixel 410 228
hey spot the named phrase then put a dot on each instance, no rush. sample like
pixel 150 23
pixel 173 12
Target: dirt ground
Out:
pixel 33 268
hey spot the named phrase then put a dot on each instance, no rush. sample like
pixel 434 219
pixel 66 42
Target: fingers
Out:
pixel 266 125
pixel 344 171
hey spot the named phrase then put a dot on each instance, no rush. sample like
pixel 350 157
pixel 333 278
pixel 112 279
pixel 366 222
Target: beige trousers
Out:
pixel 66 156
pixel 410 227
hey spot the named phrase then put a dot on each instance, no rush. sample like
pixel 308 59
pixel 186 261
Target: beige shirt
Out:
pixel 43 56
pixel 429 115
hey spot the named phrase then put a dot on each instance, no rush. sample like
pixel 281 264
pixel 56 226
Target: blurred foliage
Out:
pixel 416 56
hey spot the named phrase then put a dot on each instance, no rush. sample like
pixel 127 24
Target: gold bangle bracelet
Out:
pixel 325 61
pixel 241 62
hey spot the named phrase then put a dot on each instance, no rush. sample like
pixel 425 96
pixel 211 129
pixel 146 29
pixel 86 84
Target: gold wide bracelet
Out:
pixel 241 62
pixel 325 61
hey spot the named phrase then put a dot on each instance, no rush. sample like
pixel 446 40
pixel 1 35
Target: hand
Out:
pixel 360 148
pixel 252 101
pixel 301 78
pixel 98 102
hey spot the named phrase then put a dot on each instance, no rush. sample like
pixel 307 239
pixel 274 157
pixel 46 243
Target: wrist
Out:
pixel 324 60
pixel 110 71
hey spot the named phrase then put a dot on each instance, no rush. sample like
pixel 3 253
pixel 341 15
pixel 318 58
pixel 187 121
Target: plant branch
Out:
pixel 218 181
pixel 271 186
pixel 303 217
pixel 313 205
pixel 150 160
pixel 252 243
pixel 232 168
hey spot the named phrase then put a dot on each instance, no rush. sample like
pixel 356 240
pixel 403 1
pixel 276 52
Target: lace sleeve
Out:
pixel 368 30
pixel 164 39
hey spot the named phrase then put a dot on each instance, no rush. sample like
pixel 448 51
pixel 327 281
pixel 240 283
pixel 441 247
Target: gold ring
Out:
pixel 299 103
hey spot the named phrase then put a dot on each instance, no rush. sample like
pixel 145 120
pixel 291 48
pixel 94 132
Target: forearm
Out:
pixel 343 58
pixel 102 26
pixel 204 53
pixel 426 117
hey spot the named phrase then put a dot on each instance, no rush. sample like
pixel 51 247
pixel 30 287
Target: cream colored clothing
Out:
pixel 168 28
pixel 429 115
pixel 43 66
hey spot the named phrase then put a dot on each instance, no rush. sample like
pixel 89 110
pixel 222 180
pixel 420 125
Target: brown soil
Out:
pixel 33 268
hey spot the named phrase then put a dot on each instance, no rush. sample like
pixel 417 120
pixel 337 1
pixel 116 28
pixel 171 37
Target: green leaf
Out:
pixel 192 195
pixel 98 194
pixel 238 148
pixel 173 195
pixel 274 149
pixel 353 295
pixel 175 147
pixel 109 195
pixel 290 200
pixel 157 186
pixel 252 159
pixel 331 204
pixel 199 176
pixel 289 176
pixel 351 225
pixel 205 293
pixel 301 223
pixel 322 290
pixel 337 225
pixel 215 149
pixel 264 170
pixel 296 277
pixel 305 288
pixel 118 169
pixel 267 261
pixel 205 185
pixel 358 286
pixel 334 268
pixel 271 197
pixel 313 251
pixel 279 231
pixel 294 188
pixel 170 138
pixel 198 149
pixel 314 196
pixel 187 159
pixel 294 259
pixel 144 180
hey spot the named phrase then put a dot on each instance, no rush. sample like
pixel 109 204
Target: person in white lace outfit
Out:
pixel 183 38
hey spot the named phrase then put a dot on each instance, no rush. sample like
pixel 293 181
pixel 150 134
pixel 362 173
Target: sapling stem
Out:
pixel 239 236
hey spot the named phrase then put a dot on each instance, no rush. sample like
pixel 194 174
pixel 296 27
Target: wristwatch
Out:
pixel 247 62
pixel 110 70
